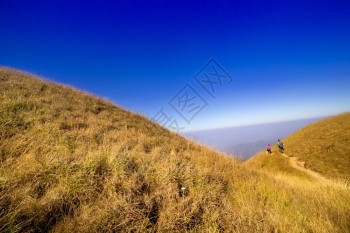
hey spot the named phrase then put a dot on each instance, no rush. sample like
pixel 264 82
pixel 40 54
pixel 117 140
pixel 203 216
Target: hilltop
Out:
pixel 71 162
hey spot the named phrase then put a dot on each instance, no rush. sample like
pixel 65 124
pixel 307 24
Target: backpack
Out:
pixel 280 145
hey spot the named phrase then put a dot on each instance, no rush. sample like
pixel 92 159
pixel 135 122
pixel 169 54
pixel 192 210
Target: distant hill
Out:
pixel 322 147
pixel 246 150
pixel 71 162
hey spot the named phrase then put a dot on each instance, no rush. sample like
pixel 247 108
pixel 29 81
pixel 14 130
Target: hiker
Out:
pixel 280 146
pixel 268 148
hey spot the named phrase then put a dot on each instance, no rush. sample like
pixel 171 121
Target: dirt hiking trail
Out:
pixel 301 166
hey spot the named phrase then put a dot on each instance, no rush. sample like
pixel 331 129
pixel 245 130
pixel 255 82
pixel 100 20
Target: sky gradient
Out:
pixel 288 59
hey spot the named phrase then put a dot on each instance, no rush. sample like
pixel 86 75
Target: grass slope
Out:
pixel 274 163
pixel 324 146
pixel 70 162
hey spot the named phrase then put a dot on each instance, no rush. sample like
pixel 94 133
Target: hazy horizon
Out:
pixel 245 141
pixel 262 123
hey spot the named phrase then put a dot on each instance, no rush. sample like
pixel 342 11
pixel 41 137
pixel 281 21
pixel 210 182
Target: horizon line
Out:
pixel 265 123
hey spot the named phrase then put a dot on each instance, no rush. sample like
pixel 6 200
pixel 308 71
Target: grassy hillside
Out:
pixel 324 146
pixel 71 162
pixel 275 164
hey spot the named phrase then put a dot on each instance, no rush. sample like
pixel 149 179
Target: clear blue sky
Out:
pixel 288 59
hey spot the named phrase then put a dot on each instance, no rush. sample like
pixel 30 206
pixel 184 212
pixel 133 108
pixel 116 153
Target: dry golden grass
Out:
pixel 70 162
pixel 274 163
pixel 324 146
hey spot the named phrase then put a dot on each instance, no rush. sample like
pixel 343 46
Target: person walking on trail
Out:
pixel 268 148
pixel 280 146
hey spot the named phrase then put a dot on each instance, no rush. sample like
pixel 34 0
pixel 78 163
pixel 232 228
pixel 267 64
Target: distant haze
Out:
pixel 245 141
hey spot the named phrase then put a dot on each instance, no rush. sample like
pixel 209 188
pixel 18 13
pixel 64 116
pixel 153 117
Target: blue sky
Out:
pixel 288 59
